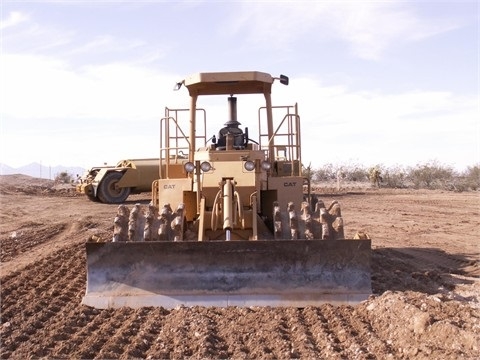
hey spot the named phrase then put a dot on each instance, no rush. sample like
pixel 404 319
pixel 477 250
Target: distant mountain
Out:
pixel 40 171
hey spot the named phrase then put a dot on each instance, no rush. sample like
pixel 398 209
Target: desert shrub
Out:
pixel 472 177
pixel 64 178
pixel 346 172
pixel 395 177
pixel 375 175
pixel 432 176
pixel 355 172
pixel 307 172
pixel 392 177
pixel 469 179
pixel 327 172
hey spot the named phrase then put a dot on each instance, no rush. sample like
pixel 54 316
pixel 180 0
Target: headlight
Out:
pixel 249 165
pixel 189 167
pixel 266 165
pixel 206 166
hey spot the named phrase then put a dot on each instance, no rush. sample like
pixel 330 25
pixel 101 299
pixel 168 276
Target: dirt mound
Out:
pixel 19 183
pixel 425 278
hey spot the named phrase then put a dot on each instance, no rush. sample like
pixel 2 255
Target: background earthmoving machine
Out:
pixel 113 184
pixel 231 220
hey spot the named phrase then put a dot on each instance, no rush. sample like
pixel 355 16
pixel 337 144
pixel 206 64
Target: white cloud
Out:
pixel 14 18
pixel 374 27
pixel 107 43
pixel 405 128
pixel 369 28
pixel 110 111
pixel 121 104
pixel 75 116
pixel 275 23
pixel 24 35
pixel 45 88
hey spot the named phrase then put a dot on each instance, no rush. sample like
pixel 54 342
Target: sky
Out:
pixel 395 83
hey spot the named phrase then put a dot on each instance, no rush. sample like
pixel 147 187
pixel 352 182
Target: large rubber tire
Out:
pixel 108 193
pixel 92 198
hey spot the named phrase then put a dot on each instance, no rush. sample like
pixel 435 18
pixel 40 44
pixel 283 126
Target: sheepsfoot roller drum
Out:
pixel 295 273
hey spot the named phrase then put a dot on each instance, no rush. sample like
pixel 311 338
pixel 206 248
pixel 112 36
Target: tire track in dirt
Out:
pixel 187 332
pixel 17 253
pixel 125 329
pixel 89 321
pixel 173 328
pixel 42 278
pixel 230 343
pixel 145 340
pixel 150 332
pixel 204 333
pixel 272 343
pixel 358 339
pixel 27 237
pixel 283 327
pixel 52 285
pixel 267 333
pixel 325 340
pixel 95 341
pixel 374 343
pixel 303 344
pixel 342 334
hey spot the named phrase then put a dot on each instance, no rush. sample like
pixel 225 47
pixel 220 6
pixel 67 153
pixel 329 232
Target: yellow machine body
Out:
pixel 113 184
pixel 232 220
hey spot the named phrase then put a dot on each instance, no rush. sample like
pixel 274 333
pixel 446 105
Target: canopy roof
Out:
pixel 229 83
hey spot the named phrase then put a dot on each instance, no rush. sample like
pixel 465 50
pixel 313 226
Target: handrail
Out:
pixel 173 139
pixel 292 145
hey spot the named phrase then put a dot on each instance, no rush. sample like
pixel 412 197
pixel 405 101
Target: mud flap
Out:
pixel 295 273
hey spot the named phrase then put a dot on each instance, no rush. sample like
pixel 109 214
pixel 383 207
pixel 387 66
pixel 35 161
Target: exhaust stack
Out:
pixel 232 110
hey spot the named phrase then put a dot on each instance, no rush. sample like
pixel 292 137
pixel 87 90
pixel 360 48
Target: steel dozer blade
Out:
pixel 296 273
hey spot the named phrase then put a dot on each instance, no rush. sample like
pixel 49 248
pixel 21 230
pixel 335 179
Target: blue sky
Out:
pixel 380 82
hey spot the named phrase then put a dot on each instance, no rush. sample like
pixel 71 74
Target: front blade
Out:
pixel 227 273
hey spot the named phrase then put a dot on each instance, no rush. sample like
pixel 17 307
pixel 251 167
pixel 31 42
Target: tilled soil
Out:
pixel 425 278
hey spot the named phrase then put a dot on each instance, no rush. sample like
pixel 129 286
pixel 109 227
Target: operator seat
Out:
pixel 240 138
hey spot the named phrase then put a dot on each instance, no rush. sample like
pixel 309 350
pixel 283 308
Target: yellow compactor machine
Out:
pixel 113 184
pixel 232 221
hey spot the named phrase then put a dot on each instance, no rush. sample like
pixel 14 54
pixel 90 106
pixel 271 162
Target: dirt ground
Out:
pixel 425 276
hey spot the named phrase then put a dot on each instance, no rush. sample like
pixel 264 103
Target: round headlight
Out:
pixel 189 167
pixel 249 165
pixel 266 165
pixel 205 166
